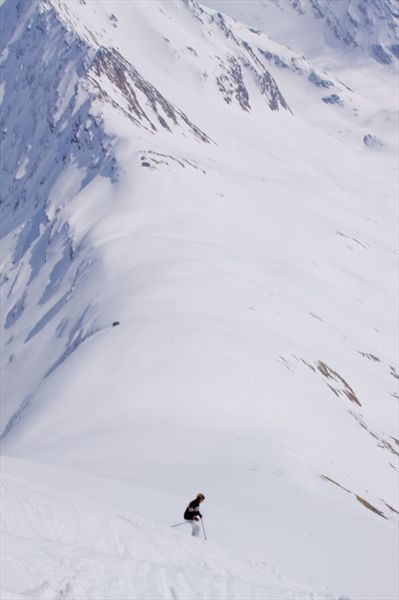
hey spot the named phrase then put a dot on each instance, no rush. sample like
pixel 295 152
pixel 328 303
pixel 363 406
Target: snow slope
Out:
pixel 60 545
pixel 198 185
pixel 347 29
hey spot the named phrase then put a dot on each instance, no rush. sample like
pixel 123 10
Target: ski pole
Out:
pixel 178 524
pixel 203 529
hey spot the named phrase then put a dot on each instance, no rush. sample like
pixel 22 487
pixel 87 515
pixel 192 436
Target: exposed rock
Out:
pixel 319 81
pixel 325 478
pixel 372 141
pixel 333 99
pixel 370 506
pixel 379 54
pixel 343 387
pixel 370 356
pixel 128 83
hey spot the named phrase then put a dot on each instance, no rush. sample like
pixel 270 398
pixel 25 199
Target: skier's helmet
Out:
pixel 200 497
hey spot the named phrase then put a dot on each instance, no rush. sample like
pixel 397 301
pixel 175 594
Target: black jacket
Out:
pixel 192 510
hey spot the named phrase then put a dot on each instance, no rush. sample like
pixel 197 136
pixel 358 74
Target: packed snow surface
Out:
pixel 199 293
pixel 57 544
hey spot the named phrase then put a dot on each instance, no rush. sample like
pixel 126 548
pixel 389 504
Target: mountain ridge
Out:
pixel 372 28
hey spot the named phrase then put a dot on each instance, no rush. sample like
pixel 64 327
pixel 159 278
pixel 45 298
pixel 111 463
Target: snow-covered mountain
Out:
pixel 351 27
pixel 199 292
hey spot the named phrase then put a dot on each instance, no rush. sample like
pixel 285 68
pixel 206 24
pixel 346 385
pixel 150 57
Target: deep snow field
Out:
pixel 199 293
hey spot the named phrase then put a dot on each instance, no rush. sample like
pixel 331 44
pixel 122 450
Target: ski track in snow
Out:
pixel 70 549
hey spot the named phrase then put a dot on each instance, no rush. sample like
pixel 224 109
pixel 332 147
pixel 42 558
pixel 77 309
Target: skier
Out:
pixel 192 514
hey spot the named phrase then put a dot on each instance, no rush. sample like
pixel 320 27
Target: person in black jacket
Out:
pixel 192 513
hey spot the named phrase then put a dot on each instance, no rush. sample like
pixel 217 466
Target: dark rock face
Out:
pixel 231 83
pixel 380 55
pixel 333 99
pixel 126 79
pixel 319 81
pixel 244 62
pixel 395 50
pixel 275 58
pixel 372 141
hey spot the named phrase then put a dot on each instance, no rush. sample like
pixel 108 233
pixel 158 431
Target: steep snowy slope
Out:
pixel 351 28
pixel 198 282
pixel 343 53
